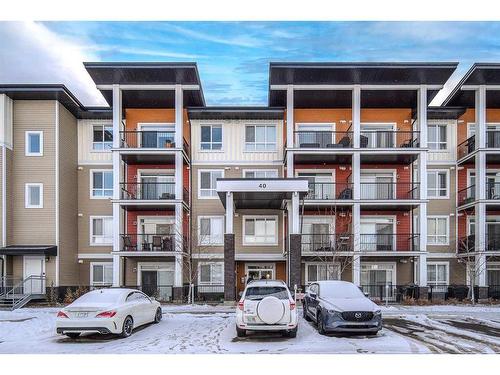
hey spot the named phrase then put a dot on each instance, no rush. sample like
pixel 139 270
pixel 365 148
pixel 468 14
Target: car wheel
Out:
pixel 240 332
pixel 304 313
pixel 128 326
pixel 321 324
pixel 73 335
pixel 158 315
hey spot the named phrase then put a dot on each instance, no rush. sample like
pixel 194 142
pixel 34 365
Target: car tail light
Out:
pixel 106 314
pixel 240 305
pixel 62 314
pixel 292 305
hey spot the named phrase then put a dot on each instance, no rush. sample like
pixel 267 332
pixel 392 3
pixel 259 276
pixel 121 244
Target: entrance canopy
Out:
pixel 259 193
pixel 48 250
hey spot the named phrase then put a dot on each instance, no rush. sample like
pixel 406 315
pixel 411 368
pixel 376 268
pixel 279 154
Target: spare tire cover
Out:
pixel 270 310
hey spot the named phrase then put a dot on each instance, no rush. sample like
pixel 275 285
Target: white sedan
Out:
pixel 105 311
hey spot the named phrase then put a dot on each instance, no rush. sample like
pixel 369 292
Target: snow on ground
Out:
pixel 209 329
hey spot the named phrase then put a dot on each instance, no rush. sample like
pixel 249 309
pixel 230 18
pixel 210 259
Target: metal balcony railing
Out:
pixel 466 195
pixel 389 242
pixel 389 139
pixel 329 191
pixel 389 190
pixel 467 244
pixel 327 242
pixel 466 147
pixel 147 242
pixel 150 139
pixel 147 190
pixel 323 139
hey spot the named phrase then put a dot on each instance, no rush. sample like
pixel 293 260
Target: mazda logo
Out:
pixel 358 315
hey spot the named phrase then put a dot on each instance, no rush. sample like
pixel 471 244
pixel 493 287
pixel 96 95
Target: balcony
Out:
pixel 469 145
pixel 147 242
pixel 468 244
pixel 329 191
pixel 330 243
pixel 389 139
pixel 468 194
pixel 389 190
pixel 149 195
pixel 152 146
pixel 389 242
pixel 323 139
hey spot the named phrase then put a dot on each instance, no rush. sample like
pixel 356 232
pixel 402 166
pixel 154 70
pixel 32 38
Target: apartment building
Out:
pixel 348 173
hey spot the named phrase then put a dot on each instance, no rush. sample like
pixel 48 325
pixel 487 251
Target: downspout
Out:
pixel 57 192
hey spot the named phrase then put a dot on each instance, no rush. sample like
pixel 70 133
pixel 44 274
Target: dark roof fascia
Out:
pixel 445 113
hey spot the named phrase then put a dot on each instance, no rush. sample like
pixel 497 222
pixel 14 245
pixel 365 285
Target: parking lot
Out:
pixel 205 329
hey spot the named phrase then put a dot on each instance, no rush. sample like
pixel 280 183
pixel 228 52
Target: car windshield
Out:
pixel 99 297
pixel 340 291
pixel 259 292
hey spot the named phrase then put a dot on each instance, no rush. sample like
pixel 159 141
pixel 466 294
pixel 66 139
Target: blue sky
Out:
pixel 232 57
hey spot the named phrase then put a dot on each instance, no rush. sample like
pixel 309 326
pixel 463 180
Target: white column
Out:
pixel 179 230
pixel 480 266
pixel 480 227
pixel 422 270
pixel 422 227
pixel 480 110
pixel 422 114
pixel 117 121
pixel 356 175
pixel 289 214
pixel 179 175
pixel 179 117
pixel 229 213
pixel 295 229
pixel 422 174
pixel 290 127
pixel 116 270
pixel 356 232
pixel 178 270
pixel 480 175
pixel 356 114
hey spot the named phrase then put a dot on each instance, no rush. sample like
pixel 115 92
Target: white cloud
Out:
pixel 31 53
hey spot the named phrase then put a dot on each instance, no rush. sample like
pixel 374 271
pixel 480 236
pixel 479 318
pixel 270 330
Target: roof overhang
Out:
pixel 445 113
pixel 148 85
pixel 236 113
pixel 47 250
pixel 260 193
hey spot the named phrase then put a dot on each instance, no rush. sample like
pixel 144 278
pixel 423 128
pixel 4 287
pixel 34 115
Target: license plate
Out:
pixel 82 314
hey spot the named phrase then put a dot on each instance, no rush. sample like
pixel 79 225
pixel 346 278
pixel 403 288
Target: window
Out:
pixel 437 230
pixel 260 231
pixel 437 184
pixel 317 272
pixel 101 274
pixel 34 143
pixel 101 230
pixel 437 273
pixel 437 137
pixel 102 137
pixel 211 273
pixel 208 183
pixel 211 137
pixel 261 173
pixel 102 184
pixel 260 138
pixel 33 195
pixel 210 230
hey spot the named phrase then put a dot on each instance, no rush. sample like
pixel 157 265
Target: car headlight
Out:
pixel 334 313
pixel 377 313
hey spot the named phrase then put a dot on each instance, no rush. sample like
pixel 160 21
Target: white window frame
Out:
pixel 102 264
pixel 27 187
pixel 265 141
pixel 336 268
pixel 436 189
pixel 91 182
pixel 439 142
pixel 434 217
pixel 221 149
pixel 210 243
pixel 200 171
pixel 435 264
pixel 245 171
pixel 91 231
pixel 211 264
pixel 109 125
pixel 27 142
pixel 266 217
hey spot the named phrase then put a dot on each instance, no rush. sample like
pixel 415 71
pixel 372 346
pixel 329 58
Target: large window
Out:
pixel 101 230
pixel 437 230
pixel 437 184
pixel 33 195
pixel 211 273
pixel 102 184
pixel 34 143
pixel 260 138
pixel 210 230
pixel 437 137
pixel 260 230
pixel 208 183
pixel 437 273
pixel 101 274
pixel 102 137
pixel 260 173
pixel 321 271
pixel 211 137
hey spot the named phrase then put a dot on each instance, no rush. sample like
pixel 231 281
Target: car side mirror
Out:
pixel 367 294
pixel 312 295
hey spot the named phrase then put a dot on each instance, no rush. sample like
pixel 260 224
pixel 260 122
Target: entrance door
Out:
pixel 34 266
pixel 375 278
pixel 260 271
pixel 149 282
pixel 157 136
pixel 377 186
pixel 157 280
pixel 158 186
pixel 317 135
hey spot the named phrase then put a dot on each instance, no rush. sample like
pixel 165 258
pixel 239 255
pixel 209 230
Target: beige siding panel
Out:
pixel 9 198
pixel 88 207
pixel 17 266
pixel 34 226
pixel 233 143
pixel 1 194
pixel 450 154
pixel 85 136
pixel 68 198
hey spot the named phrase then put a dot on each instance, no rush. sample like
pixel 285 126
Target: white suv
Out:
pixel 266 305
